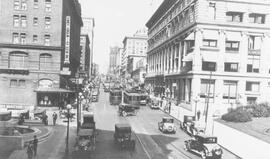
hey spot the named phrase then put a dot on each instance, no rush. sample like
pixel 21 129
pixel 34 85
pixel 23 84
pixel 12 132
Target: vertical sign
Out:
pixel 67 42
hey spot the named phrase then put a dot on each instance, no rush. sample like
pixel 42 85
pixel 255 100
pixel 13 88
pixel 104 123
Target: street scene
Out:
pixel 134 79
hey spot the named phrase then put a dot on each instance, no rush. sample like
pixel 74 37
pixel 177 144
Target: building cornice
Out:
pixel 32 47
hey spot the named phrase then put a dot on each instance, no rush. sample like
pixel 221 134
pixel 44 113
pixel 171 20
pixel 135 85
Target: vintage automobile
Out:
pixel 85 140
pixel 143 102
pixel 167 125
pixel 191 126
pixel 123 136
pixel 95 96
pixel 127 109
pixel 205 146
pixel 88 121
pixel 154 104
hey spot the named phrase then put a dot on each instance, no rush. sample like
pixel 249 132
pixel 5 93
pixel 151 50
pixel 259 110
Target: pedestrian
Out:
pixel 30 151
pixel 45 119
pixel 35 145
pixel 54 118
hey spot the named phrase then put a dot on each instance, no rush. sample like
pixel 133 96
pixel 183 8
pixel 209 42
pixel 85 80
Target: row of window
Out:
pixel 20 60
pixel 17 83
pixel 229 88
pixel 20 38
pixel 22 5
pixel 253 66
pixel 21 20
pixel 252 17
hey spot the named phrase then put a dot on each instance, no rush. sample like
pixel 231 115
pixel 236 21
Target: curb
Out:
pixel 40 138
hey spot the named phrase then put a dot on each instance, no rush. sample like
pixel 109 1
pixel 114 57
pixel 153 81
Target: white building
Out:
pixel 216 51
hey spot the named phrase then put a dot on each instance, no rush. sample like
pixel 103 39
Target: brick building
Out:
pixel 39 50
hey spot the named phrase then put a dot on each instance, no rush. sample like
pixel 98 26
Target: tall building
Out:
pixel 134 49
pixel 85 56
pixel 88 28
pixel 211 53
pixel 40 43
pixel 114 61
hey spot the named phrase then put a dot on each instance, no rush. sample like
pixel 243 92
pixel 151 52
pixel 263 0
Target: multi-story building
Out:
pixel 115 53
pixel 95 70
pixel 134 49
pixel 211 53
pixel 85 55
pixel 138 75
pixel 88 28
pixel 40 43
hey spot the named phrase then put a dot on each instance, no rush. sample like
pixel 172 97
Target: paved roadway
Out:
pixel 150 142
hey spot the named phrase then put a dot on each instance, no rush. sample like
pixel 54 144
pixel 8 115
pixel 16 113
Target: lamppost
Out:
pixel 68 115
pixel 196 100
pixel 80 97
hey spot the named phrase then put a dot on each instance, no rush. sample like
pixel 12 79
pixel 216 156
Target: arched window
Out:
pixel 18 59
pixel 45 61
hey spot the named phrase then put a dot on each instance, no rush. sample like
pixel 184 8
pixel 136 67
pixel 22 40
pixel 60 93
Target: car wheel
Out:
pixel 203 155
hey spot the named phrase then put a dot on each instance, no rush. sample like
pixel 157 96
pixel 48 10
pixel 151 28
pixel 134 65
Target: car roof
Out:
pixel 122 125
pixel 167 117
pixel 205 136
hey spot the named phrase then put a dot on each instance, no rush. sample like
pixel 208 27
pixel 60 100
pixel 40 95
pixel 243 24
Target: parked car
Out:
pixel 127 109
pixel 143 102
pixel 154 104
pixel 123 136
pixel 167 125
pixel 191 126
pixel 205 146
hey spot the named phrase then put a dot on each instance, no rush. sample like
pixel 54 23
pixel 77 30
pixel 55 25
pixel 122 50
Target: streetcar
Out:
pixel 115 96
pixel 135 98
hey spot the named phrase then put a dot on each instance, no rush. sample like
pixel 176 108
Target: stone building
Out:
pixel 85 56
pixel 39 50
pixel 211 53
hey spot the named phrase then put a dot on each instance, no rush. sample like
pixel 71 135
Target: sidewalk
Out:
pixel 53 147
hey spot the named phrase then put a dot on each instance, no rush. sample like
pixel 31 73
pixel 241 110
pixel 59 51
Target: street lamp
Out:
pixel 79 98
pixel 196 100
pixel 68 115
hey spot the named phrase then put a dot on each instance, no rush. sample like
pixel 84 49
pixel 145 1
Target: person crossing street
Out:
pixel 54 118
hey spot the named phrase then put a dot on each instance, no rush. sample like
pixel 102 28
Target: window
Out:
pixel 35 21
pixel 13 83
pixel 253 86
pixel 254 42
pixel 190 45
pixel 24 21
pixel 230 90
pixel 47 22
pixel 35 38
pixel 21 83
pixel 16 4
pixel 232 45
pixel 257 18
pixel 251 100
pixel 207 87
pixel 18 60
pixel 45 61
pixel 209 43
pixel 23 38
pixel 212 10
pixel 234 17
pixel 253 65
pixel 35 4
pixel 15 38
pixel 231 67
pixel 208 66
pixel 16 21
pixel 48 7
pixel 24 5
pixel 47 40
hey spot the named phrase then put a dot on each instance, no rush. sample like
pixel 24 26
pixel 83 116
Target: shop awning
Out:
pixel 53 90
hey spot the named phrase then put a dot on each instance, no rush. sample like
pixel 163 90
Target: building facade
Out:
pixel 39 50
pixel 88 28
pixel 214 54
pixel 134 49
pixel 138 75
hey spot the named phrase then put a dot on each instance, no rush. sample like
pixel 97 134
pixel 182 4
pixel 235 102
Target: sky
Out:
pixel 115 19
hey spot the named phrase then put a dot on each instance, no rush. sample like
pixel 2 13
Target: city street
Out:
pixel 150 142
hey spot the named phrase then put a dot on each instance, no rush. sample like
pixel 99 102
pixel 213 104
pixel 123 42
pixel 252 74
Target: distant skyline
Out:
pixel 115 19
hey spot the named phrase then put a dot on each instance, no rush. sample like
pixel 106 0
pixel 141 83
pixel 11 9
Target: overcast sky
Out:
pixel 115 19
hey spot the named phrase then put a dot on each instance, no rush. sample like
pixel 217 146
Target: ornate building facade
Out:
pixel 211 53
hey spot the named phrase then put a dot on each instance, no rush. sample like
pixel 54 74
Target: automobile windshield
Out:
pixel 210 140
pixel 168 120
